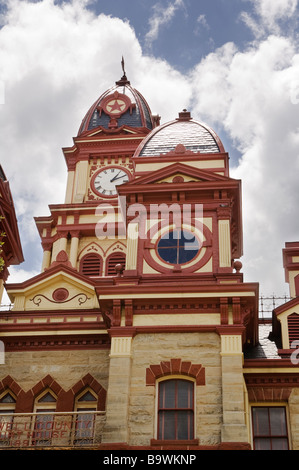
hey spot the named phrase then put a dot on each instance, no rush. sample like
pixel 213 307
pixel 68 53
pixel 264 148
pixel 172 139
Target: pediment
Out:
pixel 58 288
pixel 178 173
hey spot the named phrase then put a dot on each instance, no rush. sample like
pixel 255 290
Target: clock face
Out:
pixel 107 180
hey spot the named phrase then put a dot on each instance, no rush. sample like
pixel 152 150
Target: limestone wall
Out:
pixel 66 368
pixel 199 348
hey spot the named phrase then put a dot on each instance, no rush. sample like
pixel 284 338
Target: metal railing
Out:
pixel 51 430
pixel 268 303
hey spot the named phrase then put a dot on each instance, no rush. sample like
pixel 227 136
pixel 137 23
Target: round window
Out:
pixel 178 247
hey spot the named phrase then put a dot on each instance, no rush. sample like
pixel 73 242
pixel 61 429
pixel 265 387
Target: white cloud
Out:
pixel 269 15
pixel 161 16
pixel 56 60
pixel 252 94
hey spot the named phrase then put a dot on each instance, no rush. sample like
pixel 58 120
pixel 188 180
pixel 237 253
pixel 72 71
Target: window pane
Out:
pixel 184 425
pixel 167 425
pixel 262 444
pixel 168 241
pixel 188 240
pixel 278 422
pixel 47 398
pixel 167 394
pixel 7 399
pixel 186 255
pixel 84 427
pixel 169 255
pixel 5 425
pixel 87 397
pixel 280 444
pixel 185 394
pixel 261 421
pixel 43 428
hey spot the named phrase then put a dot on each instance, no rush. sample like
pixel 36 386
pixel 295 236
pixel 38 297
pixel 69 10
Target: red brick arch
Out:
pixel 175 367
pixel 65 399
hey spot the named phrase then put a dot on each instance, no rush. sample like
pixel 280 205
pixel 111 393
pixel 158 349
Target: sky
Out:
pixel 234 64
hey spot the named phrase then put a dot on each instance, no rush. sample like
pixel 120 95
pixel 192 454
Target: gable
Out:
pixel 178 173
pixel 286 320
pixel 59 289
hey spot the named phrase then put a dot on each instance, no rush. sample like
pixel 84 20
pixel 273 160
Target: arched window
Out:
pixel 112 261
pixel 7 408
pixel 85 407
pixel 91 265
pixel 176 410
pixel 45 406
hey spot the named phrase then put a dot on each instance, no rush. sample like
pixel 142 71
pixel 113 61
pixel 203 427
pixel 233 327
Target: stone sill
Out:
pixel 174 443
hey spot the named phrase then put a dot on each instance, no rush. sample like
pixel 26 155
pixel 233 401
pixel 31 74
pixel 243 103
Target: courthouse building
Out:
pixel 140 332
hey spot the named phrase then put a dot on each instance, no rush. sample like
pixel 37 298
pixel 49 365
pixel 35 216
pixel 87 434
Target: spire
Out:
pixel 123 80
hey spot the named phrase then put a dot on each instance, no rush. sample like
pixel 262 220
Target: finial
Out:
pixel 123 80
pixel 184 115
pixel 123 65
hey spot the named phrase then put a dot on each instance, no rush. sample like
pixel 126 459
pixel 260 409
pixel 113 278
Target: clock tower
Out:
pixel 98 163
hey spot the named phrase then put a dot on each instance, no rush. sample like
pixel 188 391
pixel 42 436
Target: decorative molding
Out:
pixel 60 295
pixel 37 299
pixel 65 399
pixel 175 367
pixel 231 345
pixel 121 346
pixel 60 343
pixel 270 387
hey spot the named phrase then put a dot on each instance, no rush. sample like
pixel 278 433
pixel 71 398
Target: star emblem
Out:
pixel 115 106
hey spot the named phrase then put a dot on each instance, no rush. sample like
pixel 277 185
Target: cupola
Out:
pixel 121 105
pixel 193 135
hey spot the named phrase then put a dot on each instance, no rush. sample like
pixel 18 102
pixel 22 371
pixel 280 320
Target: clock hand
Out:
pixel 115 177
pixel 118 177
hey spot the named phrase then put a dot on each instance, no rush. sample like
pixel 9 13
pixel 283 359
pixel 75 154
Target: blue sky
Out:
pixel 233 63
pixel 195 29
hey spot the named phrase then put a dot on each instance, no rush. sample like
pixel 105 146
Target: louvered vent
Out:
pixel 91 265
pixel 113 260
pixel 293 326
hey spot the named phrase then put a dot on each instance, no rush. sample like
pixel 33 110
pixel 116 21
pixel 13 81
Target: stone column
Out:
pixel 74 248
pixel 47 247
pixel 81 180
pixel 224 236
pixel 234 427
pixel 118 393
pixel 132 248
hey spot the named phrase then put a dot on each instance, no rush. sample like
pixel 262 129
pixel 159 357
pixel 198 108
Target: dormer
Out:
pixel 286 316
pixel 291 267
